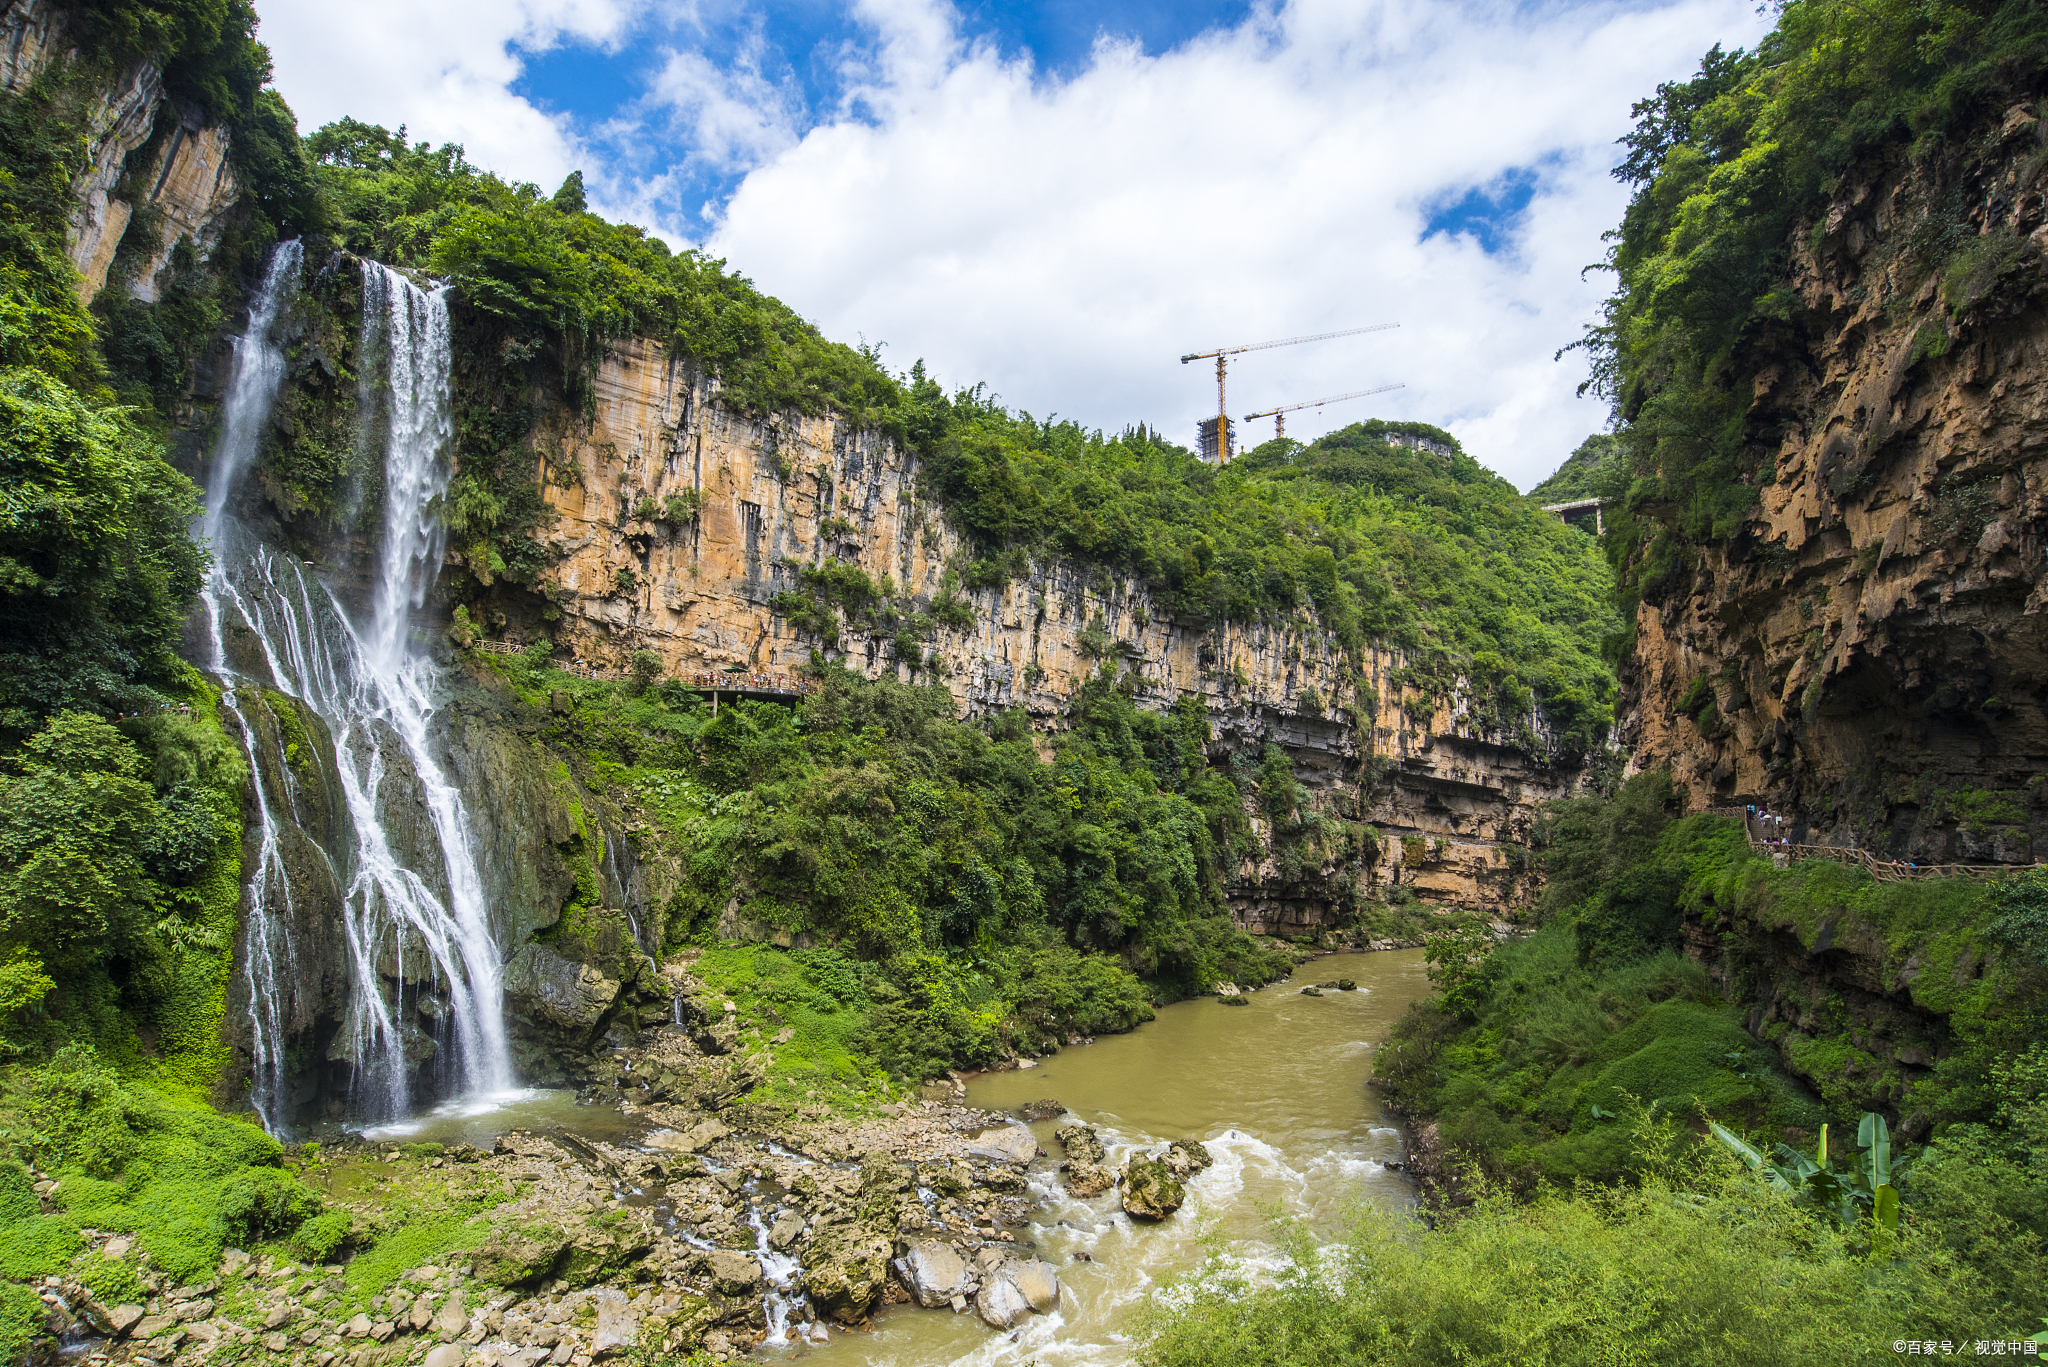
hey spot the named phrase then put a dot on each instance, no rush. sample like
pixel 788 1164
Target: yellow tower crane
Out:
pixel 1219 441
pixel 1279 415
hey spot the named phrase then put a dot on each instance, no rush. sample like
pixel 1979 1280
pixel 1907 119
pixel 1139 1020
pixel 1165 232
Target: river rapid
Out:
pixel 1276 1090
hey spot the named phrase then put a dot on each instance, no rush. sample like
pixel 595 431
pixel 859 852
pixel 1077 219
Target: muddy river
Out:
pixel 1276 1090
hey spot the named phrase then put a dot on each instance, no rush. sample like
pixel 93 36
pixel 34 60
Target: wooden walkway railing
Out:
pixel 1883 870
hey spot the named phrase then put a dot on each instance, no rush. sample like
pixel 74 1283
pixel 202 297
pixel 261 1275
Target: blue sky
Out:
pixel 1058 200
pixel 804 45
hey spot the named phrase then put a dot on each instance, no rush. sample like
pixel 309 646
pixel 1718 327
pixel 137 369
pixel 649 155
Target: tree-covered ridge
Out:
pixel 1584 473
pixel 1724 167
pixel 543 269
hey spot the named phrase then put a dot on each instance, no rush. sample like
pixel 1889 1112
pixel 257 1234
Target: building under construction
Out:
pixel 1216 451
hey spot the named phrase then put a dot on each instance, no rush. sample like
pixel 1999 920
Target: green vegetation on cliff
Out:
pixel 1543 1059
pixel 969 898
pixel 1725 168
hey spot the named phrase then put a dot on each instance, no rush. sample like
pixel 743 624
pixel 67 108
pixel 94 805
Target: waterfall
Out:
pixel 414 912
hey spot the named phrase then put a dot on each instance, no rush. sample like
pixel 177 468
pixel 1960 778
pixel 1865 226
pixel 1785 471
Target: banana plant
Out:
pixel 1868 1185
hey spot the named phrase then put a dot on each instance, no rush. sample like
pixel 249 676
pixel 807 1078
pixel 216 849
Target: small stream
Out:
pixel 1276 1090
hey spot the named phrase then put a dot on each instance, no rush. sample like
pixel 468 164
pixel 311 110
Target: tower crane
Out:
pixel 1279 415
pixel 1223 354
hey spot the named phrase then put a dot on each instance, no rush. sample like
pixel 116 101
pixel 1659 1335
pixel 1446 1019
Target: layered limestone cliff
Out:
pixel 1866 655
pixel 139 152
pixel 762 501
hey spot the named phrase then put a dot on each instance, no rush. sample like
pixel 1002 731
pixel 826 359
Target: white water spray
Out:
pixel 414 908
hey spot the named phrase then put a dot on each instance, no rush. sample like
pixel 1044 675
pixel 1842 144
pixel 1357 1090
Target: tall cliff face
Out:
pixel 1867 652
pixel 773 498
pixel 140 152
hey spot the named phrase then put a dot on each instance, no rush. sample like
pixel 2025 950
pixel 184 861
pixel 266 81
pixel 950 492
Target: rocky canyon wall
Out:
pixel 140 152
pixel 1866 655
pixel 778 496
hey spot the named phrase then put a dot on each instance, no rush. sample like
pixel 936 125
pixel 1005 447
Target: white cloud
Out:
pixel 443 68
pixel 1067 241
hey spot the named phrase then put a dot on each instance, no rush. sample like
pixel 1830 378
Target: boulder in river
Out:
pixel 1040 1283
pixel 1151 1191
pixel 1311 991
pixel 1081 1142
pixel 1086 1170
pixel 1236 999
pixel 1014 1144
pixel 1001 1303
pixel 1346 985
pixel 933 1273
pixel 1089 1179
pixel 1047 1109
pixel 1186 1157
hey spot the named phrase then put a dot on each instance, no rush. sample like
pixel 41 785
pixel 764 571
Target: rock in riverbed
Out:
pixel 933 1273
pixel 1151 1191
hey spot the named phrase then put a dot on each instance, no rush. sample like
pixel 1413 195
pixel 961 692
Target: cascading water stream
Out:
pixel 414 906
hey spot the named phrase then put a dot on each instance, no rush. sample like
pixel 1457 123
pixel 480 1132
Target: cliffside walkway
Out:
pixel 1783 852
pixel 745 684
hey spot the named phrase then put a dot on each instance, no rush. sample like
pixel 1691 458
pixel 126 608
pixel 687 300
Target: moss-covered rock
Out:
pixel 517 1254
pixel 1151 1191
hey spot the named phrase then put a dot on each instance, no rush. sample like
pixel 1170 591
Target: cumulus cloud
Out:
pixel 444 69
pixel 1067 240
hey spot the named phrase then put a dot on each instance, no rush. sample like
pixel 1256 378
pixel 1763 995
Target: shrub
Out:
pixel 322 1238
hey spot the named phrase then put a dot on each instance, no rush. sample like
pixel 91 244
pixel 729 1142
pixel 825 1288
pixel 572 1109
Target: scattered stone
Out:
pixel 1151 1191
pixel 447 1355
pixel 359 1327
pixel 422 1313
pixel 278 1318
pixel 118 1246
pixel 933 1273
pixel 122 1319
pixel 1086 1173
pixel 151 1326
pixel 450 1320
pixel 276 1343
pixel 383 1330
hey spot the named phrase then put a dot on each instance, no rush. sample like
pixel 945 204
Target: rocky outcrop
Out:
pixel 182 176
pixel 1151 1191
pixel 1865 653
pixel 677 522
pixel 1086 1171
